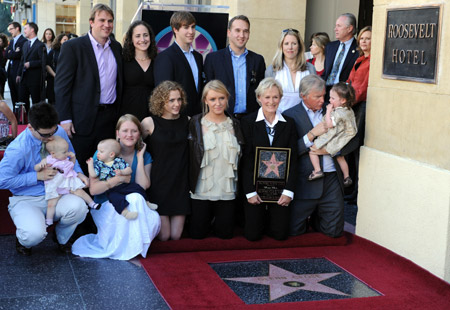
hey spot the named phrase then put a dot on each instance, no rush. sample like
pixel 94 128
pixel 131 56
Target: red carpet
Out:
pixel 186 281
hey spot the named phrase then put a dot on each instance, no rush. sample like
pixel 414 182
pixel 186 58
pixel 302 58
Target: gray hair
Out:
pixel 266 84
pixel 351 21
pixel 309 83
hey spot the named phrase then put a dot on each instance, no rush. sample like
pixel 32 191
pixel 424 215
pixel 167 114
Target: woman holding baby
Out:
pixel 118 237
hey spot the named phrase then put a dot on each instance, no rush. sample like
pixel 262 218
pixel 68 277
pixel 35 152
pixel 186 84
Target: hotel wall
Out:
pixel 404 187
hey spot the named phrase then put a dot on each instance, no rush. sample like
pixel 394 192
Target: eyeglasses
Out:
pixel 47 135
pixel 290 29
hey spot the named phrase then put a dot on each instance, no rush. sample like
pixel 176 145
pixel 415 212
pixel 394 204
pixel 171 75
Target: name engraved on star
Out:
pixel 412 43
pixel 271 172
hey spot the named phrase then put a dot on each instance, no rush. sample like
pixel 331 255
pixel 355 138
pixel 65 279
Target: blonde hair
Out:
pixel 134 120
pixel 266 84
pixel 111 145
pixel 57 144
pixel 367 28
pixel 300 61
pixel 216 86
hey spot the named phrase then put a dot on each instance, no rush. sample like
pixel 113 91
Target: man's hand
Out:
pixel 46 174
pixel 83 178
pixel 68 127
pixel 26 65
pixel 284 200
pixel 319 129
pixel 18 79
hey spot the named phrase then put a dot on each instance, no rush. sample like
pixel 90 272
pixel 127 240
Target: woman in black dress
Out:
pixel 139 51
pixel 167 142
pixel 52 62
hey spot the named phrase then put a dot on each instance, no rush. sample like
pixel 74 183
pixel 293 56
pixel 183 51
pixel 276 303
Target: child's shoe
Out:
pixel 48 222
pixel 95 206
pixel 315 175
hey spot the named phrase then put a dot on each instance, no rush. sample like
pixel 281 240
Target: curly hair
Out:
pixel 128 46
pixel 160 96
pixel 56 45
pixel 345 91
pixel 4 41
pixel 53 35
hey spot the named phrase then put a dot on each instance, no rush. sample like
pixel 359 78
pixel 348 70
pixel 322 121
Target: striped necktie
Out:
pixel 337 64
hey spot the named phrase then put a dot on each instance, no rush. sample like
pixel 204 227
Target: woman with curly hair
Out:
pixel 139 51
pixel 166 134
pixel 52 62
pixel 3 76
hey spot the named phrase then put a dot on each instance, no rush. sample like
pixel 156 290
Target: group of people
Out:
pixel 186 135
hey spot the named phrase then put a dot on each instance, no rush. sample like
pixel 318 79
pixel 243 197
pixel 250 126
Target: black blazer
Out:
pixel 172 65
pixel 219 66
pixel 255 134
pixel 330 55
pixel 77 83
pixel 14 54
pixel 308 189
pixel 37 57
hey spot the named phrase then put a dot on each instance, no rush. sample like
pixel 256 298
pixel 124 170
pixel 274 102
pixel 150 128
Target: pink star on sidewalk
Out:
pixel 283 282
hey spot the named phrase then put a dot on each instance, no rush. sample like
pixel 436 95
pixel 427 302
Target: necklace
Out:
pixel 142 59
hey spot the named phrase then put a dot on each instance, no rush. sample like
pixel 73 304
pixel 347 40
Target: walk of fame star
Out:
pixel 283 282
pixel 272 165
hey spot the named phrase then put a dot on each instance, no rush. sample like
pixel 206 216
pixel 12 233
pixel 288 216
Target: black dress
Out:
pixel 138 86
pixel 169 148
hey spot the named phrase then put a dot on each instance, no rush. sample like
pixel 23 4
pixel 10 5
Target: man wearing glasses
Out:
pixel 27 206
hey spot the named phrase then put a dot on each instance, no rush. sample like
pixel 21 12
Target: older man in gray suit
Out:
pixel 321 201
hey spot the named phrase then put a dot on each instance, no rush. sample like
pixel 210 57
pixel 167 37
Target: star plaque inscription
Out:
pixel 271 172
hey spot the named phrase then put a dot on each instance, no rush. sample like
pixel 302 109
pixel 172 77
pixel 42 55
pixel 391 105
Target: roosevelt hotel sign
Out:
pixel 412 43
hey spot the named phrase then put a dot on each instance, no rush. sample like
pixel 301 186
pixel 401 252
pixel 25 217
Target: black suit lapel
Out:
pixel 350 54
pixel 185 62
pixel 251 73
pixel 90 54
pixel 279 129
pixel 261 130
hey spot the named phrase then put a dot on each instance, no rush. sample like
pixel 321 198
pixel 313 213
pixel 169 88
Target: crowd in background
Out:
pixel 189 129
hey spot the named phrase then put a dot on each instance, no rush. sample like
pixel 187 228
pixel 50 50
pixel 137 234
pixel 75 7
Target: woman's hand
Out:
pixel 255 200
pixel 141 152
pixel 284 200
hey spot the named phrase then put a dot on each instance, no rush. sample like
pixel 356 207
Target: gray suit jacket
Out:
pixel 307 189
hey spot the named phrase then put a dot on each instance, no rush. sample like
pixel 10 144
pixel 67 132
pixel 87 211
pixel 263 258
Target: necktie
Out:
pixel 29 44
pixel 337 64
pixel 43 152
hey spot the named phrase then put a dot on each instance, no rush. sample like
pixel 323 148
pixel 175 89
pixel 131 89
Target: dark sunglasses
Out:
pixel 290 29
pixel 47 135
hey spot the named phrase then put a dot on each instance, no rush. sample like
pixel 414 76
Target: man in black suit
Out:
pixel 88 85
pixel 341 55
pixel 181 63
pixel 31 67
pixel 321 199
pixel 14 53
pixel 239 69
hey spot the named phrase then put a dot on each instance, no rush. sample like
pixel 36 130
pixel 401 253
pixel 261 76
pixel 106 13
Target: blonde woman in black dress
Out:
pixel 166 135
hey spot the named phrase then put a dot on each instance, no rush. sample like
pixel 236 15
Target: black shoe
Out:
pixel 63 248
pixel 21 249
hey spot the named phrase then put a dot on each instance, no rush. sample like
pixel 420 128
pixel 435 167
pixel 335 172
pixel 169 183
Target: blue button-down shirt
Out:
pixel 316 118
pixel 17 166
pixel 191 60
pixel 240 81
pixel 347 45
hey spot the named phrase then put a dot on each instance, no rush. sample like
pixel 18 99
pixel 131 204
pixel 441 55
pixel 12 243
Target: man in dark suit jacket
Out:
pixel 322 199
pixel 88 85
pixel 181 63
pixel 14 53
pixel 335 71
pixel 225 63
pixel 31 67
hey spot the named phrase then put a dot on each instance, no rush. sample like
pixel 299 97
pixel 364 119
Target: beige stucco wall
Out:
pixel 404 195
pixel 46 15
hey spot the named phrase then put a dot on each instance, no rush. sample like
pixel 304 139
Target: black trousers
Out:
pixel 327 211
pixel 207 214
pixel 117 195
pixel 268 218
pixel 13 87
pixel 27 90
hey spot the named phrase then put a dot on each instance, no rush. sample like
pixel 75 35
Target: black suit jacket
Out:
pixel 219 66
pixel 330 55
pixel 255 134
pixel 172 65
pixel 77 83
pixel 308 189
pixel 37 57
pixel 14 54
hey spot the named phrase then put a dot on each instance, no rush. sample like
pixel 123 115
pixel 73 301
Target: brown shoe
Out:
pixel 21 249
pixel 348 182
pixel 315 175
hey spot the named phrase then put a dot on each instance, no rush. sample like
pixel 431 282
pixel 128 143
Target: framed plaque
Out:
pixel 271 172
